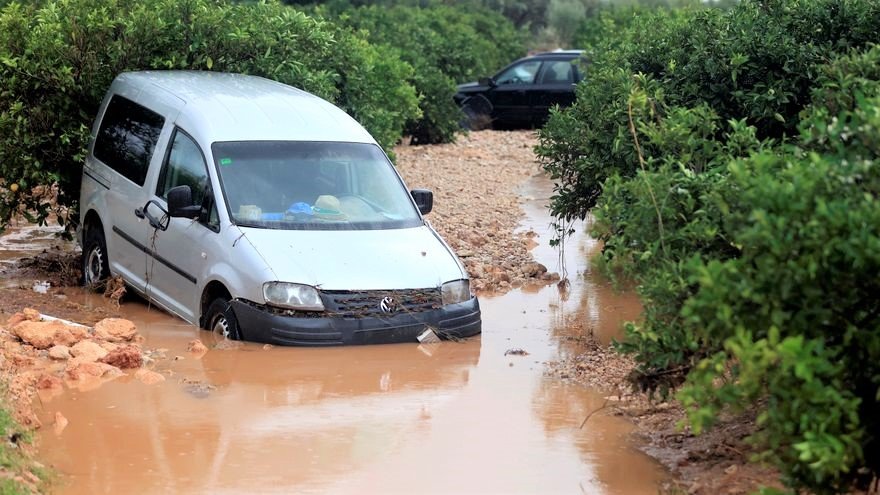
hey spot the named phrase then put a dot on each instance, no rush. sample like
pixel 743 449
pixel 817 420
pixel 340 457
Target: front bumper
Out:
pixel 261 324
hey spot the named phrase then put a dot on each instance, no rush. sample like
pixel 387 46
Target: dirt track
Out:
pixel 476 183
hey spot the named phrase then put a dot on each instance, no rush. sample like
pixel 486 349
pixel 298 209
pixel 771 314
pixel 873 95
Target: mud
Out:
pixel 442 418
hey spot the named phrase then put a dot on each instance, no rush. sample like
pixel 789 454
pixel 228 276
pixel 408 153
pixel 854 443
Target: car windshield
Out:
pixel 299 185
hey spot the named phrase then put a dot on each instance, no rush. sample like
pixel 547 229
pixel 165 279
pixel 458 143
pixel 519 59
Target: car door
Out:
pixel 127 143
pixel 181 252
pixel 554 86
pixel 510 95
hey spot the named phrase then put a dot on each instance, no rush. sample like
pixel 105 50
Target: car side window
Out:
pixel 127 137
pixel 558 72
pixel 522 73
pixel 185 166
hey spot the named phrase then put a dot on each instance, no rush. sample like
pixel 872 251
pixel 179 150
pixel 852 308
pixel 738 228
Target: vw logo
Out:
pixel 387 304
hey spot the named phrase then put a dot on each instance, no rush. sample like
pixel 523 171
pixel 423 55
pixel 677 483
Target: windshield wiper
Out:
pixel 252 225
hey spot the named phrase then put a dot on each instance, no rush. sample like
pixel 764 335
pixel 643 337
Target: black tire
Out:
pixel 220 320
pixel 474 119
pixel 95 266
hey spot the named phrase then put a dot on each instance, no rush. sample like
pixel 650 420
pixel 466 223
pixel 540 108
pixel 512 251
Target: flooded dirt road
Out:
pixel 449 418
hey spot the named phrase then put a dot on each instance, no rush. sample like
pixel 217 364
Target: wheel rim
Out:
pixel 220 327
pixel 94 265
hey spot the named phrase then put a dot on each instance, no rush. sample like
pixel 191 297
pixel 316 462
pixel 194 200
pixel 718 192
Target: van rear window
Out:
pixel 127 137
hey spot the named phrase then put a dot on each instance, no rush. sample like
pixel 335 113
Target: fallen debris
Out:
pixel 60 352
pixel 196 347
pixel 115 330
pixel 46 334
pixel 149 377
pixel 60 423
pixel 49 382
pixel 79 371
pixel 125 357
pixel 516 352
pixel 114 289
pixel 197 388
pixel 87 351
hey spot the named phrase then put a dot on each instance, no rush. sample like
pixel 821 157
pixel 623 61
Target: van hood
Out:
pixel 412 258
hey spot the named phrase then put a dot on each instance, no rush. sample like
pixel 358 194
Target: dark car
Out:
pixel 522 93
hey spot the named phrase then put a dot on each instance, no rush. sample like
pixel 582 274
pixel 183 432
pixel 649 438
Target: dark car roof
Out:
pixel 560 53
pixel 555 54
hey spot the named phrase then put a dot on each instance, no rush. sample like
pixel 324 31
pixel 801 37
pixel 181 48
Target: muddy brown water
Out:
pixel 450 418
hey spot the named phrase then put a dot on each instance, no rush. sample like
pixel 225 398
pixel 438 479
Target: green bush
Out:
pixel 445 46
pixel 757 61
pixel 730 162
pixel 57 60
pixel 799 305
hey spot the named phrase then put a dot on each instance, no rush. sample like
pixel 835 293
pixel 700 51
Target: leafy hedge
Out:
pixel 57 60
pixel 445 46
pixel 730 161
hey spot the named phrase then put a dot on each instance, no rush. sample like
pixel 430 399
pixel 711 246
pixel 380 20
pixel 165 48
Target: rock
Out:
pixel 149 377
pixel 28 314
pixel 87 352
pixel 109 346
pixel 125 357
pixel 22 361
pixel 49 382
pixel 31 477
pixel 46 334
pixel 60 423
pixel 59 352
pixel 196 347
pixel 516 352
pixel 115 330
pixel 534 269
pixel 78 371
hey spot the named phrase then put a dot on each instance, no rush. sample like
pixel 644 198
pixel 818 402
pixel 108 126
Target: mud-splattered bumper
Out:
pixel 259 324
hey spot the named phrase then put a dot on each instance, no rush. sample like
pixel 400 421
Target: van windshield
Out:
pixel 300 185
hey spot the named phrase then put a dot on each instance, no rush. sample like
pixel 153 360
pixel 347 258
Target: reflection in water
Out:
pixel 450 418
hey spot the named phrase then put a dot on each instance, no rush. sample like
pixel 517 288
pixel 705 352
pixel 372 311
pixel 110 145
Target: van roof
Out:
pixel 217 106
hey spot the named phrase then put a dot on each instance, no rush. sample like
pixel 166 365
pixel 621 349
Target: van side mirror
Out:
pixel 180 203
pixel 424 200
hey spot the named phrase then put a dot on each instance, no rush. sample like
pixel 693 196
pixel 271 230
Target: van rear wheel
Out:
pixel 220 320
pixel 95 266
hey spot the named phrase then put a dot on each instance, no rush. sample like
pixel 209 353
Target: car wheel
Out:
pixel 220 320
pixel 477 114
pixel 95 266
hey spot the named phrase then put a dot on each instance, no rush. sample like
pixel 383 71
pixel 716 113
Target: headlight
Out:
pixel 455 292
pixel 294 296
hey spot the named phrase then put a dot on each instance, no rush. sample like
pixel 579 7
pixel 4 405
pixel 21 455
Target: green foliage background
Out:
pixel 57 59
pixel 445 45
pixel 730 161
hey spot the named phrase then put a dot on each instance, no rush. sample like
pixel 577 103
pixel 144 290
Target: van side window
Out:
pixel 127 137
pixel 185 166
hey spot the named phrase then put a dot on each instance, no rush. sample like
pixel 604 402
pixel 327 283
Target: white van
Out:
pixel 264 213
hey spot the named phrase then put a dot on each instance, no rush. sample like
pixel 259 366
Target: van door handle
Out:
pixel 139 212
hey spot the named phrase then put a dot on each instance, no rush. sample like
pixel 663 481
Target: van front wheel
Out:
pixel 95 267
pixel 220 320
